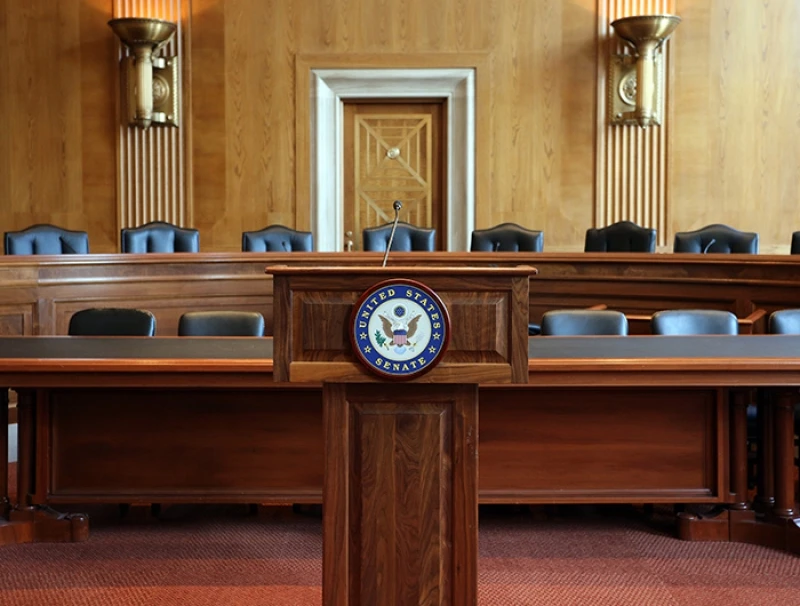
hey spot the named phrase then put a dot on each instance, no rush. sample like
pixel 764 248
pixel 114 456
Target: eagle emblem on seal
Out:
pixel 399 328
pixel 399 331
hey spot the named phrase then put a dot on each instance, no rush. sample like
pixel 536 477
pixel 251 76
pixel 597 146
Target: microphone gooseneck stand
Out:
pixel 397 206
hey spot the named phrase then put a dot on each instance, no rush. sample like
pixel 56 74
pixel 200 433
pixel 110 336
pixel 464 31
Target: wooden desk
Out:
pixel 602 420
pixel 38 294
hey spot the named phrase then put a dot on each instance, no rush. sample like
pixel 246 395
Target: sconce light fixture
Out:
pixel 636 82
pixel 149 83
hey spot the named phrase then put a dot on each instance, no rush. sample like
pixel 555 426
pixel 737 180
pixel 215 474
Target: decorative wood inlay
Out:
pixel 632 163
pixel 393 161
pixel 152 164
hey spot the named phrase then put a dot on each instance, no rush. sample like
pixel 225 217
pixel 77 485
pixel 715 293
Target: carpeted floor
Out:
pixel 205 555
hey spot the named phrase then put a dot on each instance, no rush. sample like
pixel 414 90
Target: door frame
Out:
pixel 328 90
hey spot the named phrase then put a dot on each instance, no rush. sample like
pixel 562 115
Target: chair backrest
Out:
pixel 221 324
pixel 407 237
pixel 159 237
pixel 588 322
pixel 277 238
pixel 507 237
pixel 623 236
pixel 785 322
pixel 716 239
pixel 795 250
pixel 694 322
pixel 112 322
pixel 46 239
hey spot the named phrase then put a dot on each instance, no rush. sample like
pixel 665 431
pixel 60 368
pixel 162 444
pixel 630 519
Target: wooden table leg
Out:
pixel 742 520
pixel 400 495
pixel 5 503
pixel 27 522
pixel 721 522
pixel 765 484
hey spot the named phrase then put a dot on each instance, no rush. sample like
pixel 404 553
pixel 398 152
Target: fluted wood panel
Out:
pixel 57 85
pixel 151 163
pixel 632 163
pixel 538 161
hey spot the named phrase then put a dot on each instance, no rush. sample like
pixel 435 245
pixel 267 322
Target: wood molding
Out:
pixel 479 62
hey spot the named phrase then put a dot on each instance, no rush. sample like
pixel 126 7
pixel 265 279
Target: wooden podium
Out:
pixel 401 476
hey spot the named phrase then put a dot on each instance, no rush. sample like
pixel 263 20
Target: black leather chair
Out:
pixel 46 239
pixel 623 236
pixel 694 322
pixel 507 237
pixel 407 237
pixel 221 324
pixel 795 250
pixel 716 238
pixel 112 322
pixel 277 238
pixel 159 237
pixel 579 322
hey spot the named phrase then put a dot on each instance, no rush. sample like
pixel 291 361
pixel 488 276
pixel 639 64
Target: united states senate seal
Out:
pixel 400 329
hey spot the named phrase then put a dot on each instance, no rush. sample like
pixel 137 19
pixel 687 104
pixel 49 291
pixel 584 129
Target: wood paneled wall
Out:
pixel 733 107
pixel 539 158
pixel 58 87
pixel 736 146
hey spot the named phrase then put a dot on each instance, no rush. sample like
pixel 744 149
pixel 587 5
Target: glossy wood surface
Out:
pixel 401 511
pixel 401 459
pixel 645 436
pixel 38 295
pixel 488 306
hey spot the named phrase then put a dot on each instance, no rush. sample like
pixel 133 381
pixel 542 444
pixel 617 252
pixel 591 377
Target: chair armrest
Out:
pixel 753 324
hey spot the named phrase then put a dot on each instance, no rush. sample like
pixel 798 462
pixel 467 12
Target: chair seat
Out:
pixel 694 322
pixel 277 238
pixel 506 237
pixel 46 239
pixel 622 236
pixel 112 322
pixel 407 238
pixel 221 324
pixel 584 322
pixel 716 238
pixel 159 237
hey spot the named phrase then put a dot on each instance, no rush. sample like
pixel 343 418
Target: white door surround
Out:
pixel 328 91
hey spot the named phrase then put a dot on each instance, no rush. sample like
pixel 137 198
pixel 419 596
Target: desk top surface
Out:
pixel 539 348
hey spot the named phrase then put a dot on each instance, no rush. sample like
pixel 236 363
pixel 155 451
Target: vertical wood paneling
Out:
pixel 632 163
pixel 549 160
pixel 536 166
pixel 152 163
pixel 737 118
pixel 57 153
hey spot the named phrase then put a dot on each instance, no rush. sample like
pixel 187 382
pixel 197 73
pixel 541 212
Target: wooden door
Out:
pixel 394 151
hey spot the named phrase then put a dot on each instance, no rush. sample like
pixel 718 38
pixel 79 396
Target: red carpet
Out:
pixel 198 556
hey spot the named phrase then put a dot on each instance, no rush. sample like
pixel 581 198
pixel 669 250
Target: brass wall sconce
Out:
pixel 149 83
pixel 636 82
